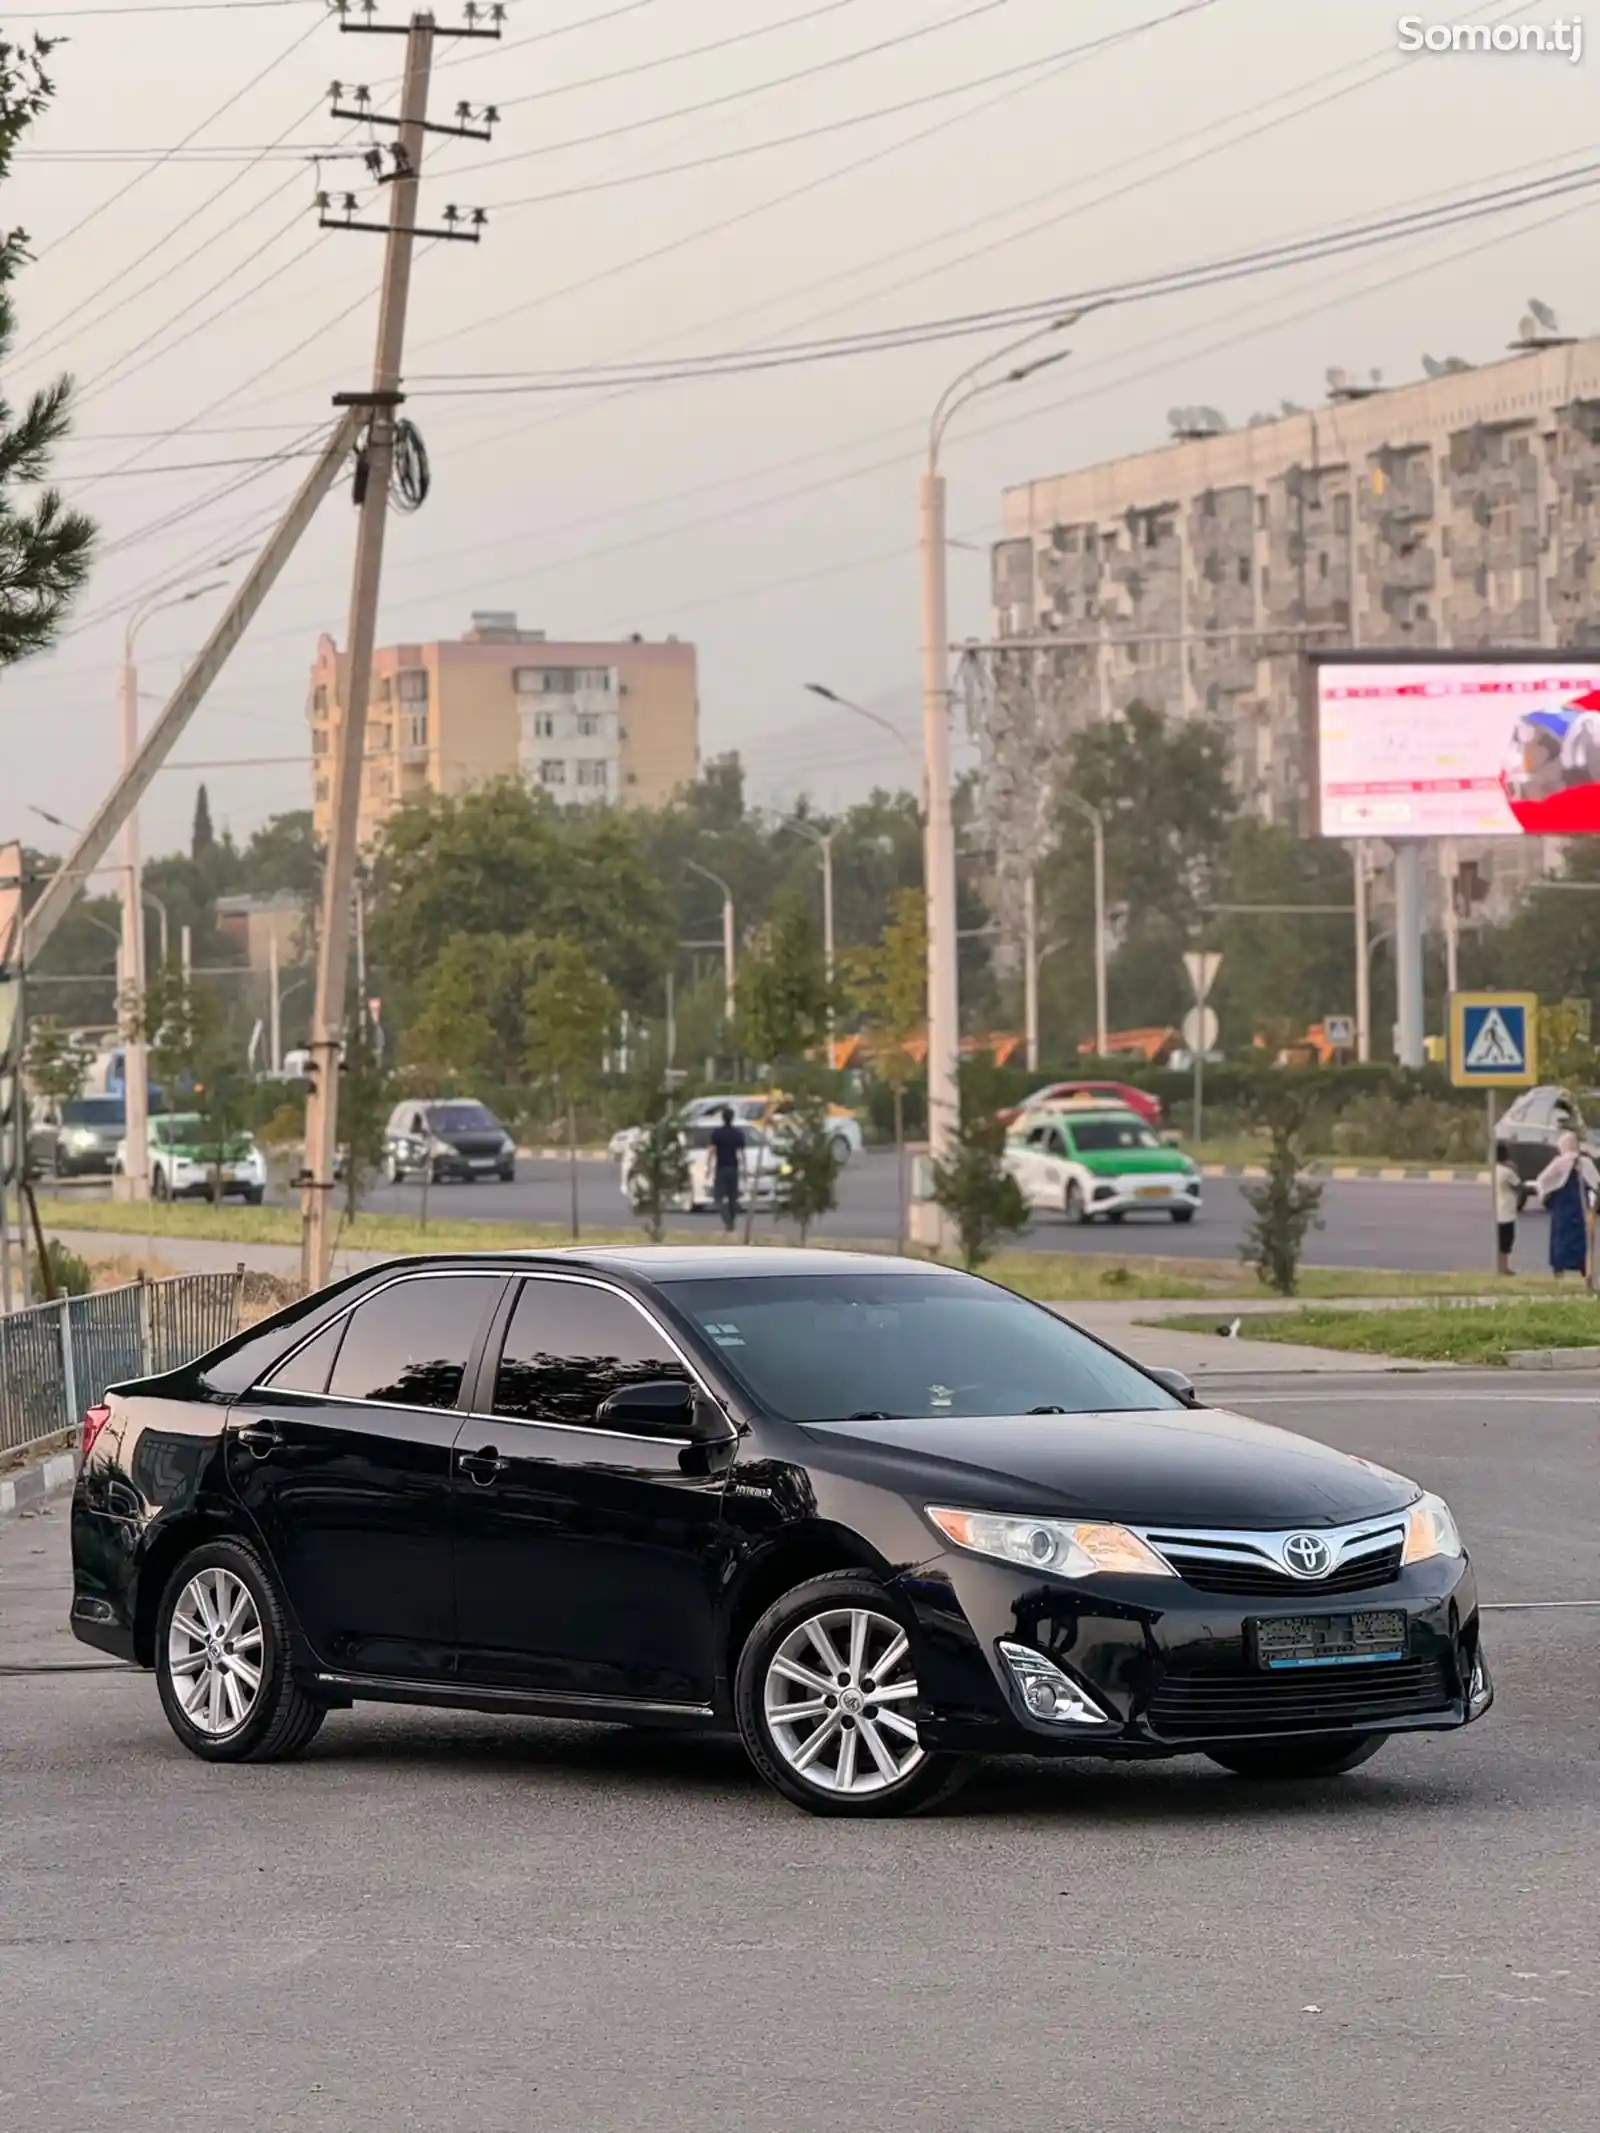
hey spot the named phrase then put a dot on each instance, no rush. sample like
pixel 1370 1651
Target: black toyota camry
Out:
pixel 882 1517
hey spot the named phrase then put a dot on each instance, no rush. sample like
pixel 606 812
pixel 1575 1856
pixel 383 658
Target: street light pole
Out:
pixel 939 882
pixel 823 840
pixel 1030 971
pixel 729 938
pixel 875 718
pixel 1095 817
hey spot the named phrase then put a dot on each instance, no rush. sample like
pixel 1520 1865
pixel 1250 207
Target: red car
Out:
pixel 1139 1101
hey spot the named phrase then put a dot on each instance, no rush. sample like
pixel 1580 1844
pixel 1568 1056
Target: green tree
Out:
pixel 45 549
pixel 783 998
pixel 57 1065
pixel 366 1097
pixel 659 1172
pixel 191 1057
pixel 572 1010
pixel 975 1190
pixel 202 837
pixel 1284 1206
pixel 473 1007
pixel 1281 970
pixel 808 1182
pixel 889 986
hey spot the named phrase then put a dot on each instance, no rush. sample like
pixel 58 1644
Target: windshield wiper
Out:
pixel 874 1414
pixel 1047 1410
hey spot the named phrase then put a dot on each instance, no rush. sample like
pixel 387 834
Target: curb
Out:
pixel 1346 1173
pixel 23 1490
pixel 1553 1359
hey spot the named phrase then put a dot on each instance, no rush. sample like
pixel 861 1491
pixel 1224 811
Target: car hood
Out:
pixel 1184 1466
pixel 1133 1162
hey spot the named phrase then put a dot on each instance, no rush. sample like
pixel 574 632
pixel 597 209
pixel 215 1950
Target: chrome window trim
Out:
pixel 1263 1549
pixel 588 1429
pixel 264 1386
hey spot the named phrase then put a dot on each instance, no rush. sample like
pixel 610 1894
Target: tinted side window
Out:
pixel 308 1370
pixel 569 1347
pixel 411 1343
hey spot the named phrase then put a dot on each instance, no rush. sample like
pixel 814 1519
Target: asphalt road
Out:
pixel 437 1922
pixel 1434 1228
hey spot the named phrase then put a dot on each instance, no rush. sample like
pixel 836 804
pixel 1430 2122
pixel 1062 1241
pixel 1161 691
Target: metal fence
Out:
pixel 58 1358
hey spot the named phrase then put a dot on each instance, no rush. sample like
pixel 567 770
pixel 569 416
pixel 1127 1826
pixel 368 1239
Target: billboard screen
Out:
pixel 1497 746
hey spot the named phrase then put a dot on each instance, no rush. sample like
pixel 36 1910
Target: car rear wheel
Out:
pixel 1072 1205
pixel 222 1660
pixel 825 1694
pixel 1281 1760
pixel 841 1148
pixel 160 1189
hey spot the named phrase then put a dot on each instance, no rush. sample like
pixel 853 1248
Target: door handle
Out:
pixel 260 1438
pixel 483 1466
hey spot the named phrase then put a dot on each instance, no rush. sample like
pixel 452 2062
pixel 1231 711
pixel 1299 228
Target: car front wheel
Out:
pixel 1072 1206
pixel 1282 1760
pixel 841 1149
pixel 825 1694
pixel 222 1660
pixel 1183 1214
pixel 159 1187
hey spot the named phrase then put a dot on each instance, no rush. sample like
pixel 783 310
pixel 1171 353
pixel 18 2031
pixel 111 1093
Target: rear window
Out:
pixel 462 1118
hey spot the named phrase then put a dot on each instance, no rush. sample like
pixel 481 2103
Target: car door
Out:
pixel 1023 1161
pixel 1529 1131
pixel 586 1559
pixel 342 1461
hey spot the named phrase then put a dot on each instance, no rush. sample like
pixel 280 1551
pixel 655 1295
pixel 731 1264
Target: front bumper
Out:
pixel 1170 1666
pixel 1150 1195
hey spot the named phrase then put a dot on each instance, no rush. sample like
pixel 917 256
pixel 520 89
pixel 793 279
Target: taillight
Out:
pixel 94 1421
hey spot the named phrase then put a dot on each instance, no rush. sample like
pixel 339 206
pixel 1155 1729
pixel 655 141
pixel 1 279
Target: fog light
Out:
pixel 1480 1689
pixel 1048 1693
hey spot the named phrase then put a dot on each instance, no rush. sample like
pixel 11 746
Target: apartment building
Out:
pixel 583 723
pixel 1460 511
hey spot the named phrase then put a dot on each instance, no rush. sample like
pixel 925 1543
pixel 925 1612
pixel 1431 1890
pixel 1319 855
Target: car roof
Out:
pixel 677 1262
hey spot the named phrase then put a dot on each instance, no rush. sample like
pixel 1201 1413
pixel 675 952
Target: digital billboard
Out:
pixel 1501 745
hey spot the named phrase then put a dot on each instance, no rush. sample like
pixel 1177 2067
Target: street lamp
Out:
pixel 155 903
pixel 1095 817
pixel 135 1183
pixel 823 840
pixel 944 1011
pixel 729 950
pixel 876 718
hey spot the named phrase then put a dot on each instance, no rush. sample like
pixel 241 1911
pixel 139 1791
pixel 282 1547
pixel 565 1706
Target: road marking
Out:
pixel 1518 1607
pixel 1419 1399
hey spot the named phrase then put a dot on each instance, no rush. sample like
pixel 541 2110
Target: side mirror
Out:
pixel 1175 1381
pixel 663 1407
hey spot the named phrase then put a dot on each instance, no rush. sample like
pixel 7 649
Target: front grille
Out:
pixel 1360 1575
pixel 1341 1698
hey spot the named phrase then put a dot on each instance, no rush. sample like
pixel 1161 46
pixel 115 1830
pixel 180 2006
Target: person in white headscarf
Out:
pixel 1568 1185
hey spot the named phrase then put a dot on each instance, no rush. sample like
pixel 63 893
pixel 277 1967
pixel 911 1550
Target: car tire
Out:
pixel 397 1171
pixel 213 1708
pixel 435 1175
pixel 508 1175
pixel 830 1608
pixel 255 1195
pixel 1072 1205
pixel 1115 1214
pixel 1183 1214
pixel 160 1189
pixel 1277 1762
pixel 840 1148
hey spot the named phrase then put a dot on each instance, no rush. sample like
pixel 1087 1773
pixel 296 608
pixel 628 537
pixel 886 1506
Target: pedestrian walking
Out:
pixel 1568 1185
pixel 727 1168
pixel 1509 1192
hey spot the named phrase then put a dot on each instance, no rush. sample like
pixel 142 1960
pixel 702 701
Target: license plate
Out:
pixel 483 1162
pixel 1153 1192
pixel 1284 1641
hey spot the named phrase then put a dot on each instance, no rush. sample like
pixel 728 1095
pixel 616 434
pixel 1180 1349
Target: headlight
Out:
pixel 439 1147
pixel 1067 1550
pixel 507 1145
pixel 1431 1531
pixel 78 1137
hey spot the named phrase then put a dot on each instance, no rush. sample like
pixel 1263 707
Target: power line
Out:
pixel 669 59
pixel 155 7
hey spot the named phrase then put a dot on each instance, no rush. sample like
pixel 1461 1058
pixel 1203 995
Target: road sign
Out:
pixel 1200 1029
pixel 1202 967
pixel 1340 1031
pixel 1494 1040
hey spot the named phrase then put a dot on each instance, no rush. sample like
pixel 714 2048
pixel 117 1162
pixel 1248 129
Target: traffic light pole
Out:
pixel 338 881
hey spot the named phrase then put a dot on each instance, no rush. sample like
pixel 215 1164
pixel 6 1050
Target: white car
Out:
pixel 758 1186
pixel 844 1127
pixel 1089 1165
pixel 183 1160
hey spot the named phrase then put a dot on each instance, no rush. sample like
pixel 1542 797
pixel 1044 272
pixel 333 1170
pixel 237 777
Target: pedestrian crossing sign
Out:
pixel 1494 1040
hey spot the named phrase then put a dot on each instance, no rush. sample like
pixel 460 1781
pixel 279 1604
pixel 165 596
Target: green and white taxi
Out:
pixel 1086 1163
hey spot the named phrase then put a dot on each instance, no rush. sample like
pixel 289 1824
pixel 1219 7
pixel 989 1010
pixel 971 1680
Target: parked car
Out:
pixel 77 1138
pixel 1531 1124
pixel 186 1159
pixel 763 1167
pixel 1106 1163
pixel 457 1138
pixel 883 1517
pixel 769 1112
pixel 1147 1107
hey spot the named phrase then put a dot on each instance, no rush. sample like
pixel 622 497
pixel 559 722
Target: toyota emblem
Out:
pixel 1307 1555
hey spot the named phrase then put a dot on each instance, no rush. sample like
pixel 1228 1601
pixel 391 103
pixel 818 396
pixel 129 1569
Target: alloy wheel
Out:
pixel 215 1651
pixel 836 1696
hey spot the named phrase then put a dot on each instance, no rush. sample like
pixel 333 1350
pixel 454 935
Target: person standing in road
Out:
pixel 1567 1185
pixel 1508 1194
pixel 727 1168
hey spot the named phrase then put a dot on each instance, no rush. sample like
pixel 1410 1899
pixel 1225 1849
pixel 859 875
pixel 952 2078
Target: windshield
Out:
pixel 191 1132
pixel 94 1111
pixel 1095 1135
pixel 832 1347
pixel 462 1118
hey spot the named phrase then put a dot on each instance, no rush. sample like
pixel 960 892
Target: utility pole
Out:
pixel 375 470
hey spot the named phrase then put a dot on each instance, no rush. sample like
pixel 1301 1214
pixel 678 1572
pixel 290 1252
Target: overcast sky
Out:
pixel 770 518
